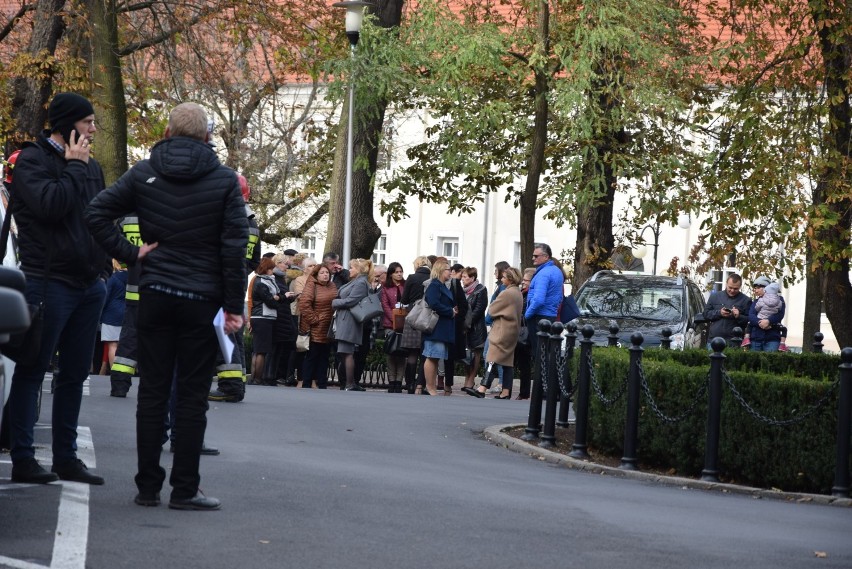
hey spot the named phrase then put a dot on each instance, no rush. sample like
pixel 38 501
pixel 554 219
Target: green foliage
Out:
pixel 779 386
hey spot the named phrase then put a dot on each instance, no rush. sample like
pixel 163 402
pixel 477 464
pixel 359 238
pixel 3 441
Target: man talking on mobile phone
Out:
pixel 55 178
pixel 726 309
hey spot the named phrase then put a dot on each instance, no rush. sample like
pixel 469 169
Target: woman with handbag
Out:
pixel 315 319
pixel 411 338
pixel 284 332
pixel 391 295
pixel 506 313
pixel 437 343
pixel 264 313
pixel 522 352
pixel 348 331
pixel 303 341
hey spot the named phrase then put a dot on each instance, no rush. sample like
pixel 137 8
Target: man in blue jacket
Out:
pixel 545 292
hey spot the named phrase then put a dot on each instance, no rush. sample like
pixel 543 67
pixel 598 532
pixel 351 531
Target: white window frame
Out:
pixel 380 250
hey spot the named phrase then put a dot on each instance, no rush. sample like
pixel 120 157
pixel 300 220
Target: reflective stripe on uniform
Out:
pixel 222 374
pixel 121 368
pixel 253 240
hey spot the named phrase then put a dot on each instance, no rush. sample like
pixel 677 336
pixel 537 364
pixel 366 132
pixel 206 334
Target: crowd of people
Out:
pixel 304 314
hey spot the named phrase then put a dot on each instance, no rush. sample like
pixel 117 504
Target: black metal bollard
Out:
pixel 581 410
pixel 539 375
pixel 844 425
pixel 736 337
pixel 818 337
pixel 666 341
pixel 565 400
pixel 612 339
pixel 634 384
pixel 714 412
pixel 548 435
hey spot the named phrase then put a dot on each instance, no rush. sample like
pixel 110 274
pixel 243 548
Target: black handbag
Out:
pixel 25 347
pixel 393 343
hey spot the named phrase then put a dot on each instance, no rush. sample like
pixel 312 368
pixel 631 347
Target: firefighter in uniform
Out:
pixel 124 365
pixel 231 377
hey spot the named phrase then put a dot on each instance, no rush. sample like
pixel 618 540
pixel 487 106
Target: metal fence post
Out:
pixel 736 337
pixel 634 383
pixel 548 435
pixel 612 339
pixel 666 340
pixel 818 337
pixel 844 424
pixel 534 418
pixel 581 410
pixel 565 400
pixel 714 412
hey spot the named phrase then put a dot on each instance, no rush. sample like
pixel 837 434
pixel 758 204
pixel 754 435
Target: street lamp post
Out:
pixel 354 18
pixel 640 251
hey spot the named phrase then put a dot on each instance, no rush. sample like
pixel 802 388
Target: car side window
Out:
pixel 696 300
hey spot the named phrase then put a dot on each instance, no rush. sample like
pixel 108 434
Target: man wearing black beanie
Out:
pixel 55 179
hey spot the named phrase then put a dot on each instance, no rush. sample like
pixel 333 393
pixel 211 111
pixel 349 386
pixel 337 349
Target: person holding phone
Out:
pixel 726 309
pixel 55 179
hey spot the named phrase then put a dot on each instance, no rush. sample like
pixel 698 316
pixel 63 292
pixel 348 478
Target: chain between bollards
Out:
pixel 844 424
pixel 583 385
pixel 565 400
pixel 714 412
pixel 634 385
pixel 554 344
pixel 533 428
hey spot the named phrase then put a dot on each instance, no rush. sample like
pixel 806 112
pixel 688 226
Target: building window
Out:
pixel 308 246
pixel 380 251
pixel 449 247
pixel 516 256
pixel 719 275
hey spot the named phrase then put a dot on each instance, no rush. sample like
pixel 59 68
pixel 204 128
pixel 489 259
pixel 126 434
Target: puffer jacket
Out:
pixel 191 205
pixel 50 196
pixel 315 309
pixel 264 292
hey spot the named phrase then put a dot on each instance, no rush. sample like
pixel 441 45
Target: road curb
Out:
pixel 497 436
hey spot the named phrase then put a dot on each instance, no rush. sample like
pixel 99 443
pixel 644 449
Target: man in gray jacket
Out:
pixel 194 233
pixel 727 309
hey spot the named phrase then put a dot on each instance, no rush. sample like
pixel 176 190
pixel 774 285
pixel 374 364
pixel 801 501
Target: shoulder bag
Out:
pixel 421 317
pixel 367 308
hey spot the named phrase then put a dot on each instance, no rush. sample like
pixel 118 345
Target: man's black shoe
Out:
pixel 217 395
pixel 205 450
pixel 30 471
pixel 355 387
pixel 118 394
pixel 76 471
pixel 147 499
pixel 197 502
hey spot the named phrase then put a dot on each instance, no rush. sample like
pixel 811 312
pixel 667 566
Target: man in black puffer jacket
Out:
pixel 193 226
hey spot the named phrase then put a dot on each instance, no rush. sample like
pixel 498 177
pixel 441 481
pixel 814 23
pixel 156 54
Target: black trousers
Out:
pixel 176 339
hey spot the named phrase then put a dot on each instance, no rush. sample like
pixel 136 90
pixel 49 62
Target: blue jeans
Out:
pixel 764 345
pixel 70 326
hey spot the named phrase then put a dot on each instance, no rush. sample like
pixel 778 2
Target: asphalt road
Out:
pixel 313 479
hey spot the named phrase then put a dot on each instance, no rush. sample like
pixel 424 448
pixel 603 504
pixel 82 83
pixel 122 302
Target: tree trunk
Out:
pixel 367 134
pixel 813 303
pixel 108 89
pixel 29 106
pixel 535 164
pixel 836 178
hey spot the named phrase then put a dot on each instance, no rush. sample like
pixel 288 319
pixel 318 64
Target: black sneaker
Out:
pixel 76 471
pixel 355 387
pixel 205 450
pixel 30 471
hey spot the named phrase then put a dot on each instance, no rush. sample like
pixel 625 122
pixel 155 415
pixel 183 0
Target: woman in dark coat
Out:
pixel 436 344
pixel 264 313
pixel 522 352
pixel 477 299
pixel 391 293
pixel 284 333
pixel 458 349
pixel 411 339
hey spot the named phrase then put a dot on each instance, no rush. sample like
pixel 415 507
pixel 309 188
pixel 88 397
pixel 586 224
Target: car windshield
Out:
pixel 651 301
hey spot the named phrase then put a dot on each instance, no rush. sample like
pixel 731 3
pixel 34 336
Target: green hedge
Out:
pixel 798 457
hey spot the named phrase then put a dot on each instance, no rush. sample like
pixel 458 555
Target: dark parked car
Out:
pixel 643 303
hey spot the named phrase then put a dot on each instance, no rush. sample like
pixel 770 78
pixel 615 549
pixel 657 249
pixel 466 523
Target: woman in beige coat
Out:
pixel 506 311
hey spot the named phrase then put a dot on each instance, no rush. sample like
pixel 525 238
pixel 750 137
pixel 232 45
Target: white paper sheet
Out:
pixel 225 343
